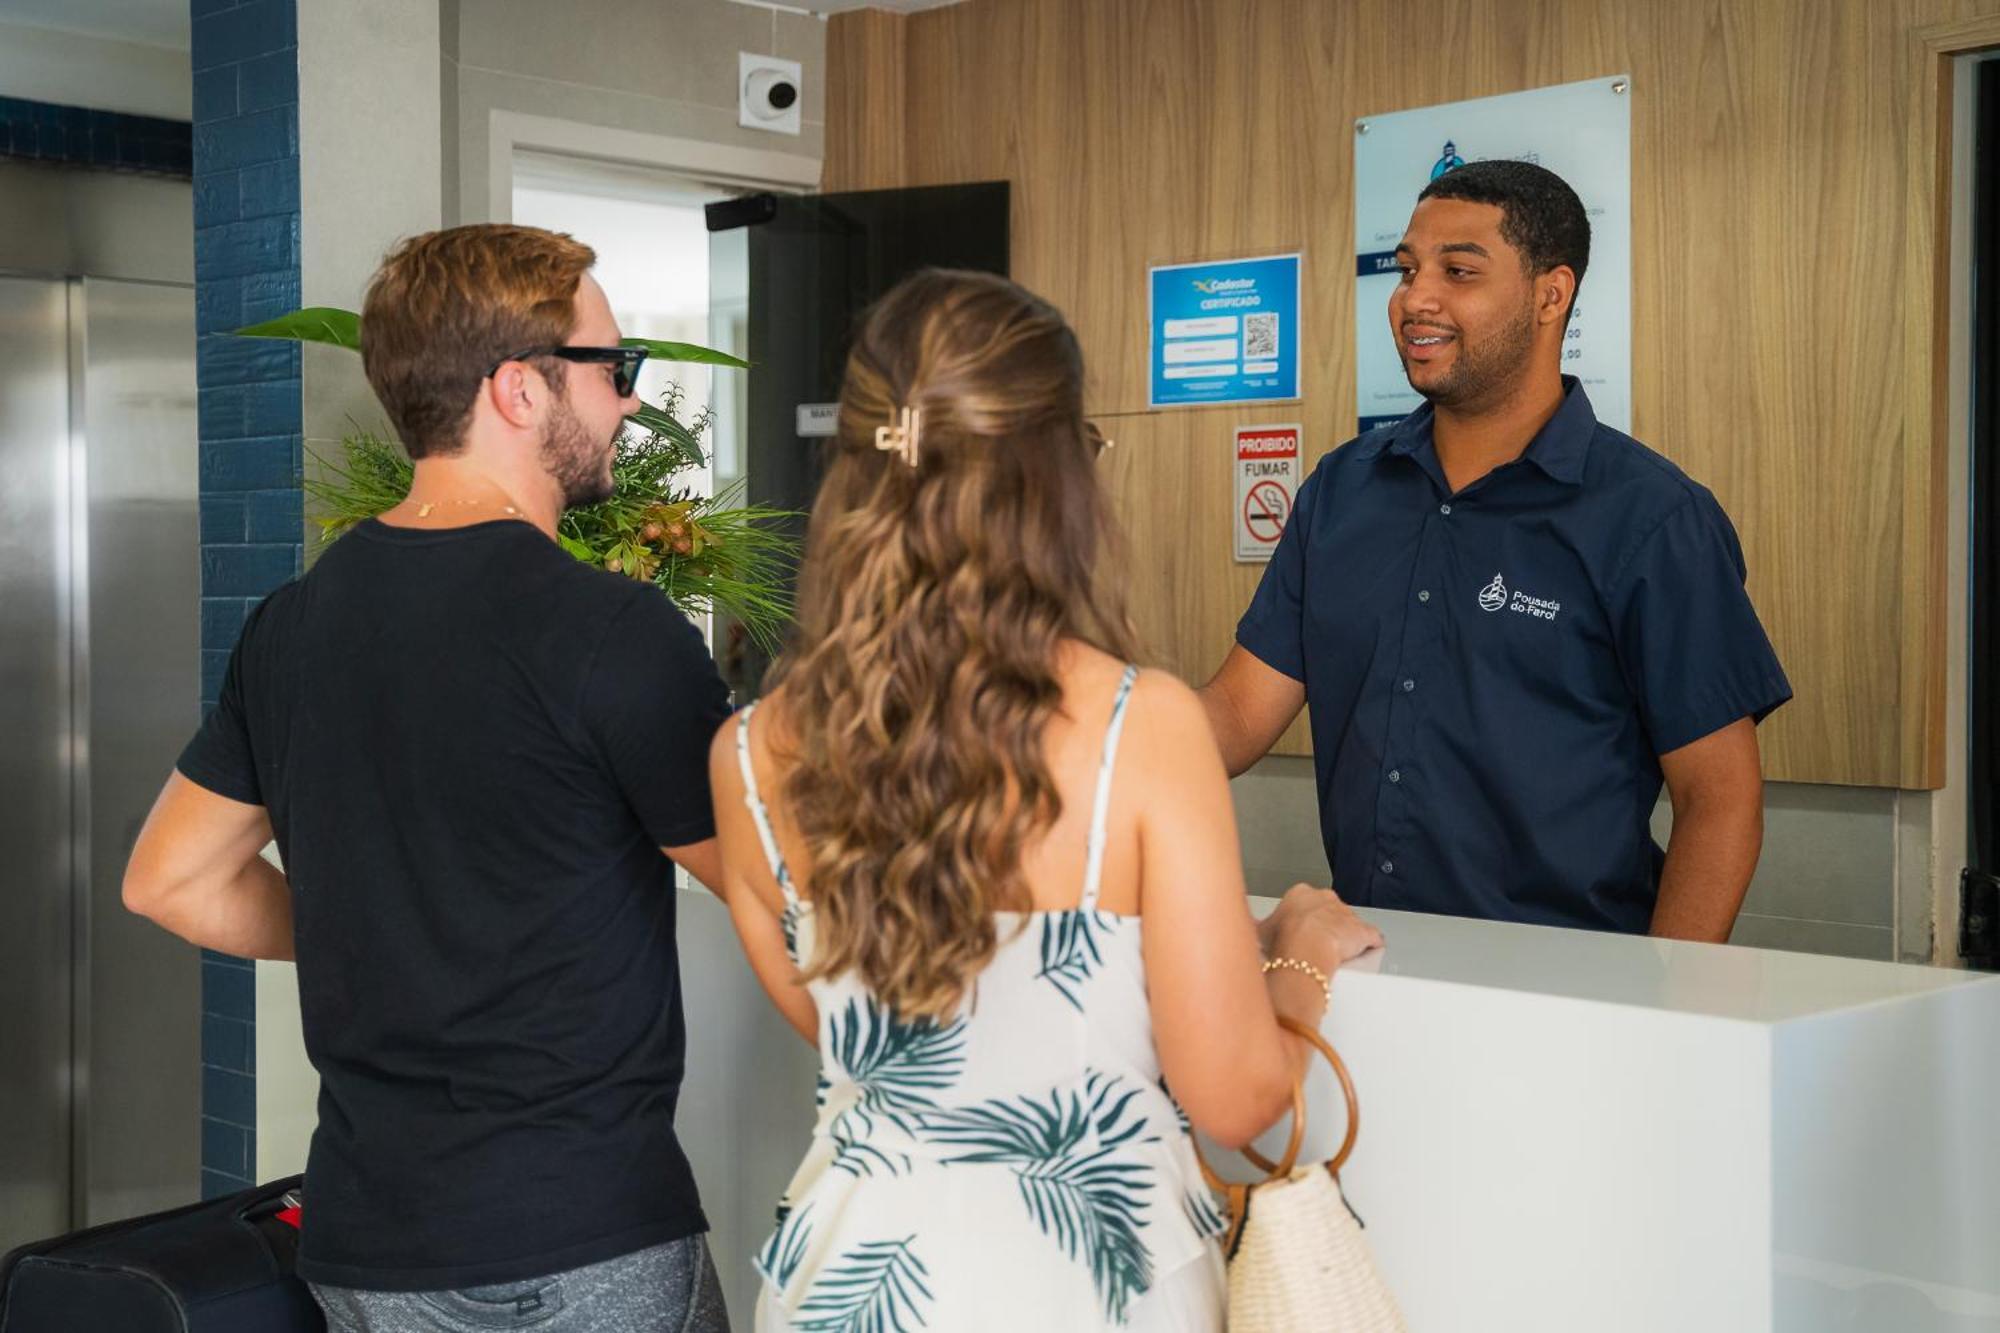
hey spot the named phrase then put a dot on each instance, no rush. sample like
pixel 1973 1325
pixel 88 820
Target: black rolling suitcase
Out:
pixel 223 1266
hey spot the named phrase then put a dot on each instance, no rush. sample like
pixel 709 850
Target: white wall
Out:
pixel 636 67
pixel 287 1086
pixel 370 173
pixel 72 69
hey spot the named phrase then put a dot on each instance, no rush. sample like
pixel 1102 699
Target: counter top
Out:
pixel 1561 1131
pixel 1560 1128
pixel 1714 980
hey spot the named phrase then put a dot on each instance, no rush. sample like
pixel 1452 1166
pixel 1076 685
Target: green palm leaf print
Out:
pixel 789 924
pixel 895 1065
pixel 1187 1126
pixel 876 1287
pixel 786 1249
pixel 1063 1152
pixel 1202 1214
pixel 861 1158
pixel 1069 952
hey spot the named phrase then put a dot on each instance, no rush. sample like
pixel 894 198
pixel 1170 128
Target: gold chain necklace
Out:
pixel 424 507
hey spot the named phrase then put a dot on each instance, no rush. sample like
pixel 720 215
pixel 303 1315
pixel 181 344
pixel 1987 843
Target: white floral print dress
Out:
pixel 1021 1167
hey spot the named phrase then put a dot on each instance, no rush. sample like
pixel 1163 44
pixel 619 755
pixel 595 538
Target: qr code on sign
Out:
pixel 1260 337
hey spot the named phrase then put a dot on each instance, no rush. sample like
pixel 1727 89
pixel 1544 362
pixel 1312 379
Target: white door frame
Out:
pixel 724 164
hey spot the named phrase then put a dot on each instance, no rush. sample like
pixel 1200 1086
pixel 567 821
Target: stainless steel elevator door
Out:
pixel 36 760
pixel 140 1029
pixel 99 686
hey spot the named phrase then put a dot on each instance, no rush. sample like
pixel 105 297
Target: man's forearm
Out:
pixel 248 915
pixel 1710 859
pixel 1249 705
pixel 1225 719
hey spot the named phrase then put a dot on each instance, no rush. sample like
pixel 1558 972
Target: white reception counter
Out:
pixel 1563 1131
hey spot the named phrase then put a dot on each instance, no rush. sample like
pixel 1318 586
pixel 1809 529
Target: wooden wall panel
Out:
pixel 1179 594
pixel 1772 173
pixel 871 131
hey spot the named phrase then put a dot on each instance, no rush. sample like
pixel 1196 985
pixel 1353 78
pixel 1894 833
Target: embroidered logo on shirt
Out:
pixel 1494 596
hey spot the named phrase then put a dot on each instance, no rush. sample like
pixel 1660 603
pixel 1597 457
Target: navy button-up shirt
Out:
pixel 1493 674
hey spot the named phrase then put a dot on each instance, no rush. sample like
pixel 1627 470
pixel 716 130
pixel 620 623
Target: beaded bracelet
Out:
pixel 1300 965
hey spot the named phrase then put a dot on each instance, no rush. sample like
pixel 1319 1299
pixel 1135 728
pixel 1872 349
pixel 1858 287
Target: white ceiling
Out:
pixel 899 6
pixel 165 22
pixel 148 22
pixel 846 6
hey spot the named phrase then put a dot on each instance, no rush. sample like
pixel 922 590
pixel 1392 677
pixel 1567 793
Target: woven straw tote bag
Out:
pixel 1297 1258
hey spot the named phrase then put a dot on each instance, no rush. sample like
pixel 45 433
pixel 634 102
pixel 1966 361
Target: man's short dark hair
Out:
pixel 1539 214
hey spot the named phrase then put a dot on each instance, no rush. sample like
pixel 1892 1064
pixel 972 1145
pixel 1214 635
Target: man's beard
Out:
pixel 1484 371
pixel 574 458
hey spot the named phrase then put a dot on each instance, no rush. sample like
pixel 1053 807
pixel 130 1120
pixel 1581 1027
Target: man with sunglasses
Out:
pixel 472 751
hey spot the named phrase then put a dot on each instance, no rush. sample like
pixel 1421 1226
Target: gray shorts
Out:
pixel 669 1288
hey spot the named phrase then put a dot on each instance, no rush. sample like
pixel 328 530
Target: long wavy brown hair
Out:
pixel 932 601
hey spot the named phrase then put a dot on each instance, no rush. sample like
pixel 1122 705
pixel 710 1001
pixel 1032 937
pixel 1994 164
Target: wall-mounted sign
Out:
pixel 816 420
pixel 1225 332
pixel 1267 481
pixel 1580 131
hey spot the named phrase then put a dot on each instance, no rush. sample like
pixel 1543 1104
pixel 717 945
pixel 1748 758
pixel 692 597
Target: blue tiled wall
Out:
pixel 246 241
pixel 77 136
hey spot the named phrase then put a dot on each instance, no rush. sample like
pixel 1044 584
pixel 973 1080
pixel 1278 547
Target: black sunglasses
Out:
pixel 624 362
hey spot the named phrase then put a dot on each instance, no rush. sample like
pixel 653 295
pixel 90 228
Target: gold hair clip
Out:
pixel 901 438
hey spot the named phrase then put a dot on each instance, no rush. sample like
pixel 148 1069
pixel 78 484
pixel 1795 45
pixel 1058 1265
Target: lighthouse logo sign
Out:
pixel 1496 595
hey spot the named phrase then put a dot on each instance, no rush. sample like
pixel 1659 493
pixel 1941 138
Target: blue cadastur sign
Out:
pixel 1225 332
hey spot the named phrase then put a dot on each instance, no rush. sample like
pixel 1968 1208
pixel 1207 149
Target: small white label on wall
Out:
pixel 818 419
pixel 1267 480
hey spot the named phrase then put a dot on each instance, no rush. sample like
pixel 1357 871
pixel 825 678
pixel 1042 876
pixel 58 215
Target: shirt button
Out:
pixel 1444 509
pixel 1395 775
pixel 1424 595
pixel 1409 685
pixel 1388 867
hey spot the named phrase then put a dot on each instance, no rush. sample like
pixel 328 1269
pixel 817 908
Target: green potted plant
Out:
pixel 709 553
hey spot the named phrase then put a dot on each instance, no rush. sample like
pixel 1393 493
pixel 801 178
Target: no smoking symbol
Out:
pixel 1265 510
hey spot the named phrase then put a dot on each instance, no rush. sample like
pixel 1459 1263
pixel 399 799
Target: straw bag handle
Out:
pixel 1312 1037
pixel 1281 1168
pixel 1236 1194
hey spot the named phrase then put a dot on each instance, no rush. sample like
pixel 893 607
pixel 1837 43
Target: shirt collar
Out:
pixel 1396 435
pixel 1558 449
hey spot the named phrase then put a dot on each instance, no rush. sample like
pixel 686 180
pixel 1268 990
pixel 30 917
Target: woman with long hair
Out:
pixel 990 869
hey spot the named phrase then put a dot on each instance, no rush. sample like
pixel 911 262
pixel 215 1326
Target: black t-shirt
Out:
pixel 472 748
